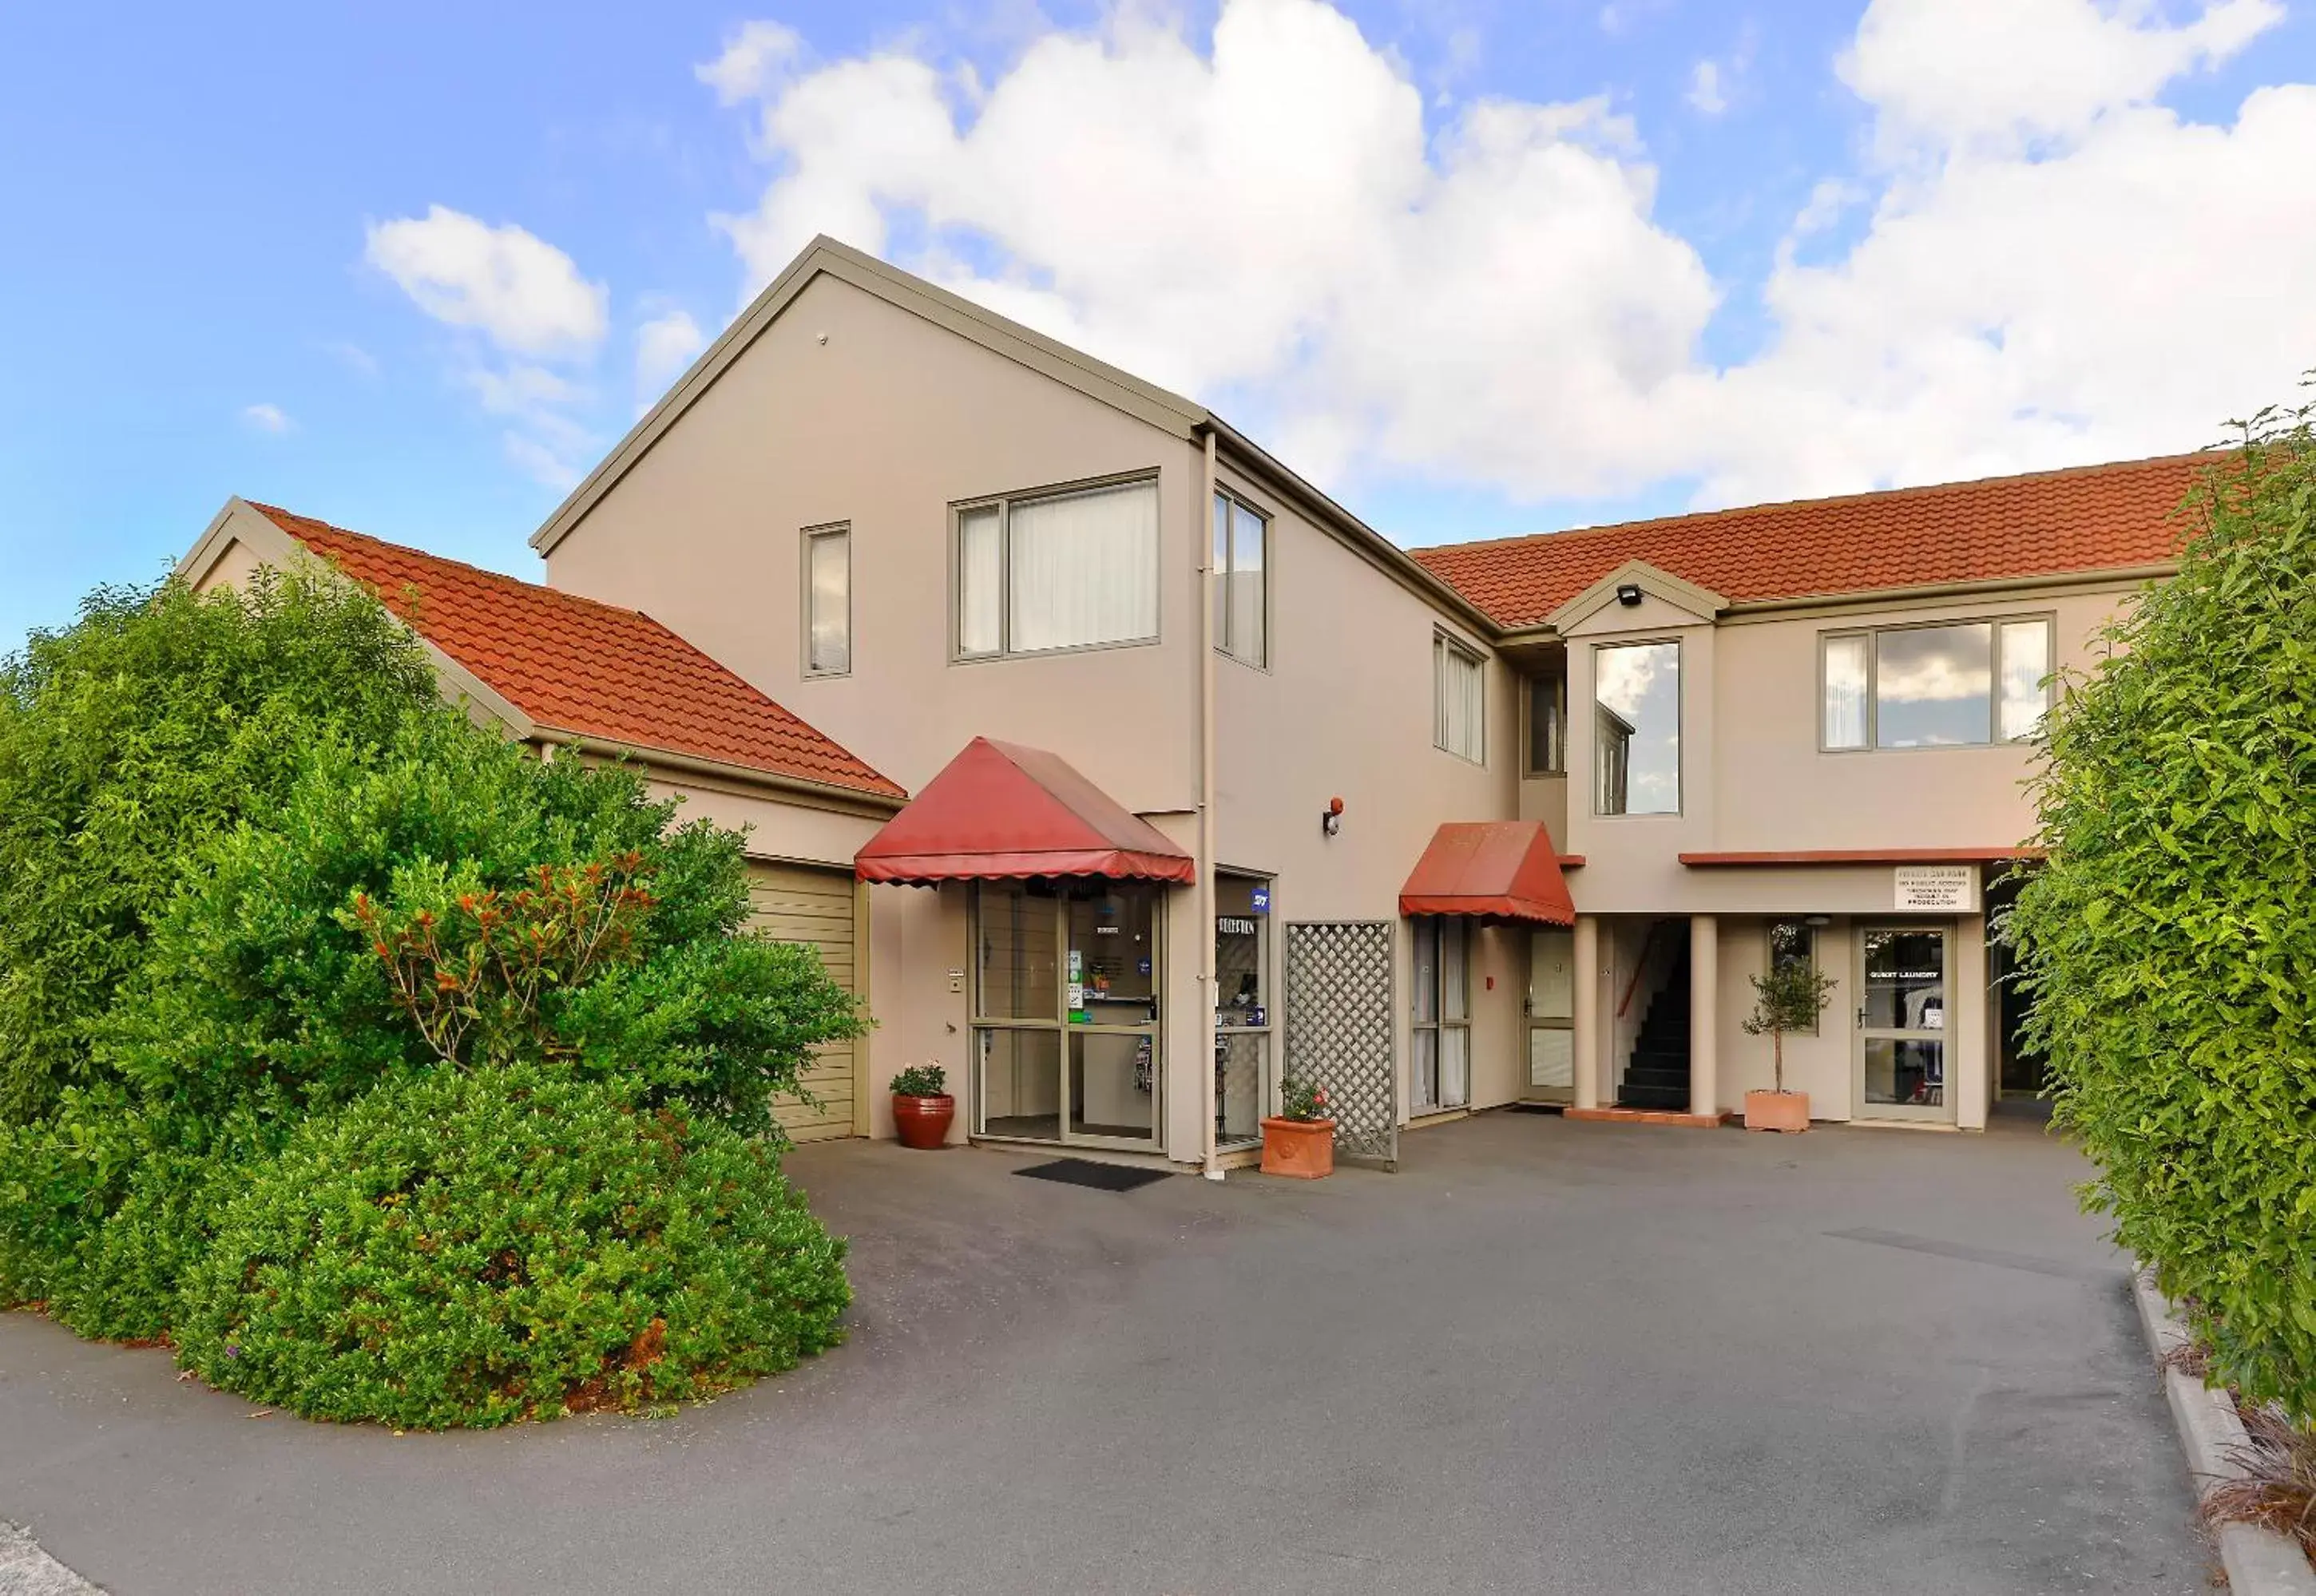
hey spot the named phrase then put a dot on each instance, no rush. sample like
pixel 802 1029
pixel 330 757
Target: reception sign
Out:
pixel 1937 889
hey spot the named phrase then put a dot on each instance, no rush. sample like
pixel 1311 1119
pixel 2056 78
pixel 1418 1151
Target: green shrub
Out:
pixel 469 1247
pixel 2168 945
pixel 127 741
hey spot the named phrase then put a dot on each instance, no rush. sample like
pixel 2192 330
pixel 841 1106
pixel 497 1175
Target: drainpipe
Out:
pixel 1206 888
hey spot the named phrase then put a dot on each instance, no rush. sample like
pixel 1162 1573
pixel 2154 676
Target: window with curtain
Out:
pixel 1440 1073
pixel 1548 719
pixel 828 601
pixel 1952 685
pixel 1059 571
pixel 1457 699
pixel 1241 549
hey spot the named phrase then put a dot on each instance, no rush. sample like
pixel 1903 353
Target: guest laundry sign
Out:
pixel 1937 889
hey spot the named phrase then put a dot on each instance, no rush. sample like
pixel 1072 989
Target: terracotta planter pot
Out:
pixel 923 1121
pixel 1777 1110
pixel 1301 1150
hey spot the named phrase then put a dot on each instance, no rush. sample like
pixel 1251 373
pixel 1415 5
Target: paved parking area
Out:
pixel 1543 1356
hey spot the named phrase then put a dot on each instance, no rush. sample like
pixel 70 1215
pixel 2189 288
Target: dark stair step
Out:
pixel 1675 1098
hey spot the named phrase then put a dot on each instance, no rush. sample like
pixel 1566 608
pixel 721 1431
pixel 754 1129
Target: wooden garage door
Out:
pixel 796 903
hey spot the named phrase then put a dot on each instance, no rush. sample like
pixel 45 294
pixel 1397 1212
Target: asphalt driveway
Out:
pixel 1542 1358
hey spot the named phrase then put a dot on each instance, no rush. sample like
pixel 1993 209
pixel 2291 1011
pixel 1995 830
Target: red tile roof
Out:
pixel 575 665
pixel 2094 517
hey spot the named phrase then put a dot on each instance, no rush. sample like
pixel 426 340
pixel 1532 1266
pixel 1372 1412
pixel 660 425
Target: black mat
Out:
pixel 1085 1172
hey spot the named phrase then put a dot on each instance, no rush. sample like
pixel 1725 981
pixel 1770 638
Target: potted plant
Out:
pixel 1300 1143
pixel 921 1105
pixel 1790 997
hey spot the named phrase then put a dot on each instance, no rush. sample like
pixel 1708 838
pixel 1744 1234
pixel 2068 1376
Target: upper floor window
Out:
pixel 1059 571
pixel 1242 558
pixel 1547 721
pixel 1943 686
pixel 827 600
pixel 1637 729
pixel 1458 699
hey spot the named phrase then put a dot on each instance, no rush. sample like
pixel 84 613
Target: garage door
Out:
pixel 796 903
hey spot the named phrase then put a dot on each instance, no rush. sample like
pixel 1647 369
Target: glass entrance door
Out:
pixel 1903 1033
pixel 1551 1075
pixel 1241 1009
pixel 1065 1019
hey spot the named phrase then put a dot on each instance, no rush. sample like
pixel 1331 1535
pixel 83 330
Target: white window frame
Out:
pixel 1446 645
pixel 1004 504
pixel 1529 682
pixel 1995 625
pixel 1439 1025
pixel 841 531
pixel 1224 558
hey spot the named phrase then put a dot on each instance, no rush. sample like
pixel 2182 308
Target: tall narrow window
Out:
pixel 1637 729
pixel 1457 701
pixel 1063 571
pixel 1547 721
pixel 1241 551
pixel 2025 653
pixel 1440 1073
pixel 828 601
pixel 1794 943
pixel 1845 690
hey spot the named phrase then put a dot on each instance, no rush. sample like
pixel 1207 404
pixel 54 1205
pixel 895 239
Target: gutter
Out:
pixel 745 775
pixel 1206 888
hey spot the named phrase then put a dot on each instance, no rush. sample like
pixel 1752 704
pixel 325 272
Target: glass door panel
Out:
pixel 1112 1093
pixel 1242 1010
pixel 1019 1092
pixel 1109 998
pixel 1551 1016
pixel 1901 1025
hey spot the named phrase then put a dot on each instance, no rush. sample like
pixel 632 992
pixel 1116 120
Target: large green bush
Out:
pixel 468 1247
pixel 2169 945
pixel 129 740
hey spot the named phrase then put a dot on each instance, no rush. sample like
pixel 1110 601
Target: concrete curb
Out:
pixel 25 1570
pixel 2259 1561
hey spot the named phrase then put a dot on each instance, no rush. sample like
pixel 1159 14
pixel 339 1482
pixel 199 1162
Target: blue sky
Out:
pixel 192 302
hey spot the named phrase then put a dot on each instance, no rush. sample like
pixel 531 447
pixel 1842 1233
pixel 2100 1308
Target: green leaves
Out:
pixel 2169 943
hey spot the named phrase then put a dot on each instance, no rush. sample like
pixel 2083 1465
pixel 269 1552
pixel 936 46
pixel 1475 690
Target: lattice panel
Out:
pixel 1338 1030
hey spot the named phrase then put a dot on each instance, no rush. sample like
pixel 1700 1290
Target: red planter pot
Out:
pixel 1300 1149
pixel 923 1121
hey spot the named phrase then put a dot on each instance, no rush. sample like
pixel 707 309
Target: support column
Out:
pixel 1584 1021
pixel 1704 999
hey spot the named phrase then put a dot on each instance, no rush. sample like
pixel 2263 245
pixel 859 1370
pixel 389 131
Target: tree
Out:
pixel 2168 943
pixel 1789 997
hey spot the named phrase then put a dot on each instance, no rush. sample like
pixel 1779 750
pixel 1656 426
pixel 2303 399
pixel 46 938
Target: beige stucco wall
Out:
pixel 1344 709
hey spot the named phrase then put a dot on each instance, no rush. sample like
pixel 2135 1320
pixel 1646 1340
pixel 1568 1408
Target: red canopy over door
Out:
pixel 998 810
pixel 1503 870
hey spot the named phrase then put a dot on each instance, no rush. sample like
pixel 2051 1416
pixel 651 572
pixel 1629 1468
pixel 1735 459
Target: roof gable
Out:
pixel 567 666
pixel 2091 519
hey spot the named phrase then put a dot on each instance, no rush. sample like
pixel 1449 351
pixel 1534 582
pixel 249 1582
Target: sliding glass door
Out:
pixel 1065 1022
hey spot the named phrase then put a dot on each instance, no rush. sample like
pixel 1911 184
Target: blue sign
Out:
pixel 1142 967
pixel 1262 901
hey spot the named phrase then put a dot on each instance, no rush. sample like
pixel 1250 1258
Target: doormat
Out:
pixel 1085 1172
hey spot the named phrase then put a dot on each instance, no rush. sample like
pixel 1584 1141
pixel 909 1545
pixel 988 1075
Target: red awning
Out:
pixel 998 810
pixel 1503 870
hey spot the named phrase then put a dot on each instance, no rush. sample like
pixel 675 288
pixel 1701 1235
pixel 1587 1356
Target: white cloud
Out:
pixel 518 290
pixel 267 418
pixel 1705 94
pixel 2050 266
pixel 664 347
pixel 754 59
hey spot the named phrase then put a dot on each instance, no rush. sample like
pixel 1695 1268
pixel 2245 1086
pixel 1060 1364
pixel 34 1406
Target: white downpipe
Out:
pixel 1206 888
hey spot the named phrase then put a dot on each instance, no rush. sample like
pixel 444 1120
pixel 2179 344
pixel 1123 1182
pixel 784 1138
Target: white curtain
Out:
pixel 1844 692
pixel 2025 662
pixel 980 578
pixel 831 576
pixel 1456 693
pixel 1244 636
pixel 1085 568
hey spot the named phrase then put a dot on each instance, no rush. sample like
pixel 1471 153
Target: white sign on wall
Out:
pixel 1937 889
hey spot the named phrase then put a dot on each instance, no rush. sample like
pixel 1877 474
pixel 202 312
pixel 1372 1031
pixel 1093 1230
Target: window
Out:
pixel 1242 1026
pixel 827 601
pixel 1946 686
pixel 1547 721
pixel 1241 551
pixel 1457 701
pixel 1791 943
pixel 1637 729
pixel 1440 1075
pixel 1074 569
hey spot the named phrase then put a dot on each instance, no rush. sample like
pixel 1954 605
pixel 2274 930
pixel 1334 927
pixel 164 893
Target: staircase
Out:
pixel 1657 1076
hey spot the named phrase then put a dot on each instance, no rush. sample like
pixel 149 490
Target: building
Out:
pixel 1212 782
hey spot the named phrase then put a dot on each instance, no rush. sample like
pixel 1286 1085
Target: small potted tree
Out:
pixel 1790 997
pixel 921 1105
pixel 1299 1141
